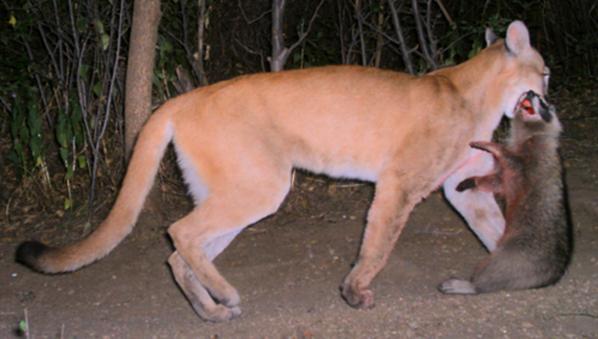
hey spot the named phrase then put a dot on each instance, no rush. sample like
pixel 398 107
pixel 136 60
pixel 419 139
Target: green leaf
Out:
pixel 98 89
pixel 83 71
pixel 105 41
pixel 82 161
pixel 61 136
pixel 23 326
pixel 68 203
pixel 12 21
pixel 69 173
pixel 24 133
pixel 99 26
pixel 64 155
pixel 77 123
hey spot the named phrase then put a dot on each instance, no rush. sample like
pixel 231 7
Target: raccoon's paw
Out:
pixel 457 286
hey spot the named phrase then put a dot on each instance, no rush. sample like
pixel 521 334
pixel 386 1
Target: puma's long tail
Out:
pixel 149 149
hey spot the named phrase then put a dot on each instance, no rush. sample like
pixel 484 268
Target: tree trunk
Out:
pixel 279 52
pixel 138 86
pixel 140 66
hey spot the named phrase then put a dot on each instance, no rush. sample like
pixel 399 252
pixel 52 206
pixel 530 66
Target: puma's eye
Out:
pixel 546 78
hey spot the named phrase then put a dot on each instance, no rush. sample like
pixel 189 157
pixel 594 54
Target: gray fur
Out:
pixel 535 248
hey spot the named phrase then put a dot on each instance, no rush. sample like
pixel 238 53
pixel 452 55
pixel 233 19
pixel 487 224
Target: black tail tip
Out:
pixel 28 253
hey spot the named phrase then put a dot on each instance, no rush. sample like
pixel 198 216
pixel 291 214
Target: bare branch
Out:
pixel 430 31
pixel 98 138
pixel 251 21
pixel 379 37
pixel 306 32
pixel 420 35
pixel 446 13
pixel 280 53
pixel 254 52
pixel 199 56
pixel 399 31
pixel 359 18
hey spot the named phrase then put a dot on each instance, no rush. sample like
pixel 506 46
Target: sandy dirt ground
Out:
pixel 288 267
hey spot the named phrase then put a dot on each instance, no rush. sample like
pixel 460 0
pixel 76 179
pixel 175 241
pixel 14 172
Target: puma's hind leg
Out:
pixel 205 232
pixel 198 296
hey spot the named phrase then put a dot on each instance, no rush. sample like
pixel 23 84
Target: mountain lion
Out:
pixel 237 142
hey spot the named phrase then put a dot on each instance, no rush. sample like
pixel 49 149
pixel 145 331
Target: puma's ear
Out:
pixel 517 37
pixel 490 36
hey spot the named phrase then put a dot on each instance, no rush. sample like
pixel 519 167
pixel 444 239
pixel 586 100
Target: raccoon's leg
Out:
pixel 488 183
pixel 505 269
pixel 201 235
pixel 478 208
pixel 457 286
pixel 198 296
pixel 393 201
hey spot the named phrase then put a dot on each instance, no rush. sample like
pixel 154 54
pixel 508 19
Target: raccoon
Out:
pixel 535 248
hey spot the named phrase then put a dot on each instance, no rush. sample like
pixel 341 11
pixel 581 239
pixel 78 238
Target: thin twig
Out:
pixel 420 35
pixel 109 98
pixel 377 58
pixel 399 31
pixel 27 330
pixel 360 32
pixel 50 53
pixel 251 21
pixel 430 31
pixel 280 53
pixel 306 33
pixel 445 13
pixel 38 81
pixel 199 58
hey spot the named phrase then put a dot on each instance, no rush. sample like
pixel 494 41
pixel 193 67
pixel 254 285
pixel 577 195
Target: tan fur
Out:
pixel 238 140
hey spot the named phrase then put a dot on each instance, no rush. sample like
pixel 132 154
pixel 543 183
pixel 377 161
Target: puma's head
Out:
pixel 523 69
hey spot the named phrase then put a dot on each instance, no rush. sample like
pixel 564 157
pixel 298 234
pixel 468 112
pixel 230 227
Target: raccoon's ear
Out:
pixel 490 36
pixel 517 38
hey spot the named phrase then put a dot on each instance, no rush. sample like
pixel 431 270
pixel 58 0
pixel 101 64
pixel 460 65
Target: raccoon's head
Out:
pixel 535 115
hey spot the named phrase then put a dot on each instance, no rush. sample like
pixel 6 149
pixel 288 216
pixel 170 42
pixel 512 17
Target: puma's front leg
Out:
pixel 386 219
pixel 478 208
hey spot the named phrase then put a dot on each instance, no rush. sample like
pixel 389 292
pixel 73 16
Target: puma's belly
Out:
pixel 345 170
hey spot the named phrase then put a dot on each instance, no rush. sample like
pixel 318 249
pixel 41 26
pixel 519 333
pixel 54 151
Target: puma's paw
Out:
pixel 219 313
pixel 457 286
pixel 231 298
pixel 363 299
